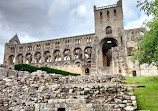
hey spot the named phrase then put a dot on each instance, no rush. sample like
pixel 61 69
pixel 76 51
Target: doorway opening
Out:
pixel 134 73
pixel 61 109
pixel 107 44
pixel 87 71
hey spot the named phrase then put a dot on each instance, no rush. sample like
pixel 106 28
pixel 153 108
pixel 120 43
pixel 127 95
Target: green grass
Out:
pixel 147 97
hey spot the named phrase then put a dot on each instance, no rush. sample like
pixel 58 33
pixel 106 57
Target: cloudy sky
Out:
pixel 35 20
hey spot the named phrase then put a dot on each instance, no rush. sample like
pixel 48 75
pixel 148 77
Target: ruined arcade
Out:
pixel 104 52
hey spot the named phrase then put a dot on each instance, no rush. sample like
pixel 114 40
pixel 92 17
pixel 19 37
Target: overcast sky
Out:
pixel 35 20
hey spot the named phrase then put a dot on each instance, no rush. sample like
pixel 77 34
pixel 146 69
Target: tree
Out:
pixel 147 44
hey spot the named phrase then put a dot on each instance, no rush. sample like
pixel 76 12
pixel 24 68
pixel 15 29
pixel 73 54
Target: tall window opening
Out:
pixel 101 15
pixel 107 45
pixel 78 41
pixel 134 73
pixel 121 41
pixel 114 12
pixel 108 14
pixel 108 30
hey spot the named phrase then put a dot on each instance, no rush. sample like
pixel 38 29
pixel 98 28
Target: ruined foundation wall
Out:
pixel 40 91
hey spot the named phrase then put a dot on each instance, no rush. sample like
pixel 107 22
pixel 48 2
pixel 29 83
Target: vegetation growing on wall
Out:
pixel 29 68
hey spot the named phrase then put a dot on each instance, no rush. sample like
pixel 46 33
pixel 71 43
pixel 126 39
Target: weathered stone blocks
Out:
pixel 40 91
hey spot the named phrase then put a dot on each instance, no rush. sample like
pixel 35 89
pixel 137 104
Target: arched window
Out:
pixel 77 53
pixel 114 12
pixel 78 41
pixel 11 60
pixel 67 42
pixel 47 56
pixel 37 57
pixel 66 54
pixel 57 44
pixel 90 40
pixel 88 52
pixel 78 63
pixel 28 58
pixel 132 35
pixel 15 42
pixel 101 15
pixel 108 30
pixel 20 59
pixel 142 33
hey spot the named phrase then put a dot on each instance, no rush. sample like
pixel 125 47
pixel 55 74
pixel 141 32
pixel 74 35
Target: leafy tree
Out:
pixel 147 44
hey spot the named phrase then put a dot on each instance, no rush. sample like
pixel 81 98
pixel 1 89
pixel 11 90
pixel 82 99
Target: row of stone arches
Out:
pixel 48 56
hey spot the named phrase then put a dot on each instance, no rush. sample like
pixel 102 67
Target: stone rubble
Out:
pixel 40 91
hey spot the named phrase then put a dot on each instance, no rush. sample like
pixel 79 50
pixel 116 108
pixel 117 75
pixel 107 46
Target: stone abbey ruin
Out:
pixel 102 58
pixel 107 51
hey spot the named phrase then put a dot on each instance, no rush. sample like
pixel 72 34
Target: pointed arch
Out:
pixel 20 59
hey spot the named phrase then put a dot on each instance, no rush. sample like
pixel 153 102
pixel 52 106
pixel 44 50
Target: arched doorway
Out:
pixel 107 44
pixel 87 71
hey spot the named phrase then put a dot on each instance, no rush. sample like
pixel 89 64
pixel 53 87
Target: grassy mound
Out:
pixel 29 68
pixel 147 97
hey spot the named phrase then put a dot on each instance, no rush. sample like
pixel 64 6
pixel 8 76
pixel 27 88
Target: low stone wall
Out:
pixel 40 91
pixel 11 73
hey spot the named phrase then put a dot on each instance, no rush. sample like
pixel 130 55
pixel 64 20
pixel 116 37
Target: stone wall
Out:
pixel 71 68
pixel 40 91
pixel 142 70
pixel 11 73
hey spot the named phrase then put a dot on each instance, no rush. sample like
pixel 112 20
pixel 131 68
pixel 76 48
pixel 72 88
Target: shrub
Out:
pixel 29 68
pixel 25 67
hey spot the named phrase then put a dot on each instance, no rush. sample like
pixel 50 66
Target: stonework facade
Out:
pixel 103 52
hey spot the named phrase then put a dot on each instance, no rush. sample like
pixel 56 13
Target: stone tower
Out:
pixel 109 30
pixel 108 20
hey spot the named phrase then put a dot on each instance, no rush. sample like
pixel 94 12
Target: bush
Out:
pixel 26 67
pixel 29 68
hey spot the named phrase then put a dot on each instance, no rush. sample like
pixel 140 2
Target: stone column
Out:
pixel 72 54
pixel 24 59
pixel 61 55
pixel 83 54
pixel 16 59
pixel 94 58
pixel 115 60
pixel 100 57
pixel 42 57
pixel 52 56
pixel 33 57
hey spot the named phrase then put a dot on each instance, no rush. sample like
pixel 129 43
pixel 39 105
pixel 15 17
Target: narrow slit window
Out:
pixel 108 14
pixel 101 15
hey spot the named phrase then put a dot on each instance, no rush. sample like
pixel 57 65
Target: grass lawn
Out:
pixel 147 97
